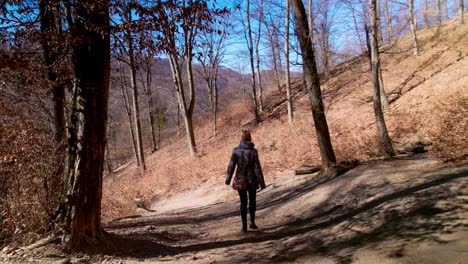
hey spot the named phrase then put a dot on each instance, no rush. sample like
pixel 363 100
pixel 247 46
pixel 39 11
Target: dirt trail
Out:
pixel 407 210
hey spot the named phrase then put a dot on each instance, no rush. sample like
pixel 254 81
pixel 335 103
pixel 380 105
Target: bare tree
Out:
pixel 257 54
pixel 178 23
pixel 248 36
pixel 386 146
pixel 133 83
pixel 147 84
pixel 271 26
pixel 128 109
pixel 286 56
pixel 388 19
pixel 313 84
pixel 412 22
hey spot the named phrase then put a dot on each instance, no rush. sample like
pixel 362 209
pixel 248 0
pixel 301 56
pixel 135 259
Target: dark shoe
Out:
pixel 253 226
pixel 244 228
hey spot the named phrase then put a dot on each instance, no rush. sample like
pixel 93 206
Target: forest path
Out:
pixel 407 210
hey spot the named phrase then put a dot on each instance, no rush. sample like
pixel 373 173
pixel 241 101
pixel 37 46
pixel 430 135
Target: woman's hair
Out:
pixel 246 135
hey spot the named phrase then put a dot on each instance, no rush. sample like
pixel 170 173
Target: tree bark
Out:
pixel 438 12
pixel 149 99
pixel 186 111
pixel 412 22
pixel 128 110
pixel 80 210
pixel 384 140
pixel 135 99
pixel 388 20
pixel 257 53
pixel 286 56
pixel 313 84
pixel 252 66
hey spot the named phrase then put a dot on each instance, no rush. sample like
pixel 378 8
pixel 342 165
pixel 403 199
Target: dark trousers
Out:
pixel 252 194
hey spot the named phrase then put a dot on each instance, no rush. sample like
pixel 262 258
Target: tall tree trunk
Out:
pixel 412 22
pixel 383 96
pixel 128 110
pixel 426 14
pixel 80 210
pixel 438 12
pixel 313 84
pixel 388 20
pixel 215 99
pixel 257 53
pixel 135 99
pixel 274 56
pixel 252 66
pixel 186 112
pixel 286 56
pixel 385 142
pixel 461 12
pixel 149 99
pixel 48 28
pixel 188 116
pixel 311 19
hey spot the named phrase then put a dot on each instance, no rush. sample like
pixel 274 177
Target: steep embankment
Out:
pixel 427 95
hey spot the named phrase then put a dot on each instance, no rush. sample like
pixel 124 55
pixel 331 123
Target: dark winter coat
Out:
pixel 246 155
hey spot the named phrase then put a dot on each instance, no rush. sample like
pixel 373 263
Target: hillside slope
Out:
pixel 428 96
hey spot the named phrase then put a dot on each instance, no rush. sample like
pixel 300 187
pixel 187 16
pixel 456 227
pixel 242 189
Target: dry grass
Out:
pixel 428 95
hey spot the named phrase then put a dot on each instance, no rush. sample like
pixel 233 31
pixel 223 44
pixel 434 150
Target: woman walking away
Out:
pixel 248 179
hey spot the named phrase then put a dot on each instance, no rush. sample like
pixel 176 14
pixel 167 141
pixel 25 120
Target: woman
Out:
pixel 245 158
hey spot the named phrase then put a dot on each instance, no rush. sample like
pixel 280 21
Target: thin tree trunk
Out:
pixel 184 110
pixel 215 99
pixel 286 56
pixel 461 12
pixel 426 14
pixel 188 115
pixel 412 21
pixel 383 95
pixel 275 67
pixel 80 209
pixel 252 66
pixel 385 142
pixel 257 53
pixel 438 12
pixel 149 99
pixel 313 84
pixel 135 102
pixel 311 19
pixel 388 20
pixel 379 33
pixel 129 113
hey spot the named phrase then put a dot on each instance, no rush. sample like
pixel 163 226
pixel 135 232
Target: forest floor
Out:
pixel 411 209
